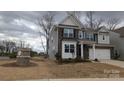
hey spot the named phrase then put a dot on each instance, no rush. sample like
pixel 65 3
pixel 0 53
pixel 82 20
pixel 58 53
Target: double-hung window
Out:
pixel 89 36
pixel 68 32
pixel 66 48
pixel 69 48
pixel 81 35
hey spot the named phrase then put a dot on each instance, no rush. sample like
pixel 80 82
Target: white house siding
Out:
pixel 68 22
pixel 82 52
pixel 106 40
pixel 68 55
pixel 100 53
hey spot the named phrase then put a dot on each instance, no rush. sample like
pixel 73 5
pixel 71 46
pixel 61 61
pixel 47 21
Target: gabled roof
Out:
pixel 120 31
pixel 103 29
pixel 72 21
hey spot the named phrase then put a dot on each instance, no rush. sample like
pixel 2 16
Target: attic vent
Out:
pixel 103 37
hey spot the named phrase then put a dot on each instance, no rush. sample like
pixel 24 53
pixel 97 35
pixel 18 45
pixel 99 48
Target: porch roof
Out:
pixel 104 45
pixel 90 43
pixel 87 42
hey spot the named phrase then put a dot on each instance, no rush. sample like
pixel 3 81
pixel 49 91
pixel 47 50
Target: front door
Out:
pixel 79 50
pixel 86 52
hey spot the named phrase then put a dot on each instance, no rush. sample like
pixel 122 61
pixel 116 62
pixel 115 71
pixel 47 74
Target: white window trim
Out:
pixel 84 35
pixel 80 34
pixel 69 48
pixel 69 30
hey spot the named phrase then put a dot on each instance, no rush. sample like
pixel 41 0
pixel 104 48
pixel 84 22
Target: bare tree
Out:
pixel 98 24
pixel 9 46
pixel 41 38
pixel 2 48
pixel 46 22
pixel 22 44
pixel 92 22
pixel 89 18
pixel 112 23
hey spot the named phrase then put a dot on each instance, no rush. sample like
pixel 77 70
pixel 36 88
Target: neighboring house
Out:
pixel 70 40
pixel 117 39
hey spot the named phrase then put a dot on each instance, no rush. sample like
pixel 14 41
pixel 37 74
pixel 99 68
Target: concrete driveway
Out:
pixel 114 62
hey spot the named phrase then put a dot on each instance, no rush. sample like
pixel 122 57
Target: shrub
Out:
pixel 82 60
pixel 13 55
pixel 69 60
pixel 57 56
pixel 96 60
pixel 33 53
pixel 4 54
pixel 87 60
pixel 116 56
pixel 78 59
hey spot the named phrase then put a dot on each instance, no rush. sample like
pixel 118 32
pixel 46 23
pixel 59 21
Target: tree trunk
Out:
pixel 47 47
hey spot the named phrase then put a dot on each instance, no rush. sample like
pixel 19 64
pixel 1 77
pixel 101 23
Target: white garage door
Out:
pixel 100 53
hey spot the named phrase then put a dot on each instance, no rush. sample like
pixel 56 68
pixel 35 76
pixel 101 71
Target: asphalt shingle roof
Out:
pixel 120 31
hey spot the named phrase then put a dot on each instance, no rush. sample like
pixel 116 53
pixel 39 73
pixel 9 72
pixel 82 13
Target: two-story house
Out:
pixel 71 40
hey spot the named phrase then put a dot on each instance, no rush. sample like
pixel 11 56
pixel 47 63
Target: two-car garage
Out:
pixel 100 53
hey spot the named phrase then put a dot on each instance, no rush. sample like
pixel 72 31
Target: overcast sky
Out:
pixel 23 25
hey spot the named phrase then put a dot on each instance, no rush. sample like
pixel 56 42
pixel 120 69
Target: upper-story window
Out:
pixel 68 32
pixel 84 35
pixel 89 36
pixel 81 35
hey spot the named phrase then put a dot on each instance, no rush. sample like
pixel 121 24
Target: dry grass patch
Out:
pixel 8 71
pixel 50 70
pixel 83 70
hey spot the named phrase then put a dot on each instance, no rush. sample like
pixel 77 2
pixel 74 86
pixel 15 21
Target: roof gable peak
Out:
pixel 71 20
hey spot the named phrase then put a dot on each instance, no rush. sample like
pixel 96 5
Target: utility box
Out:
pixel 23 56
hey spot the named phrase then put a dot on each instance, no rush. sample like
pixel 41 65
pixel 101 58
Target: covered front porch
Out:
pixel 86 50
pixel 83 49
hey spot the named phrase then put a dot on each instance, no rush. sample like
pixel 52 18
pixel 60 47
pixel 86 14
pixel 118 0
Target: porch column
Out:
pixel 94 52
pixel 82 52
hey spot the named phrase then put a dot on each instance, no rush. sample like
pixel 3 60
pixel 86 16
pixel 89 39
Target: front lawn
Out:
pixel 46 69
pixel 86 70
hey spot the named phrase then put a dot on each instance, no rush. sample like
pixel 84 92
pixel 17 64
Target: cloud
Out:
pixel 23 25
pixel 20 26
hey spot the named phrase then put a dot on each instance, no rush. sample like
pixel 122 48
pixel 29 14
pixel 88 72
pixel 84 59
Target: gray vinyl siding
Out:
pixel 106 40
pixel 116 40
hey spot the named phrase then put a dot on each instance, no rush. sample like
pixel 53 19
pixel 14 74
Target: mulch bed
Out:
pixel 15 64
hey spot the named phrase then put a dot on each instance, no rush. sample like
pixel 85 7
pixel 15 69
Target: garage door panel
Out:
pixel 100 53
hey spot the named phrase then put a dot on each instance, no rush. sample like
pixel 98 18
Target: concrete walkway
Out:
pixel 113 62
